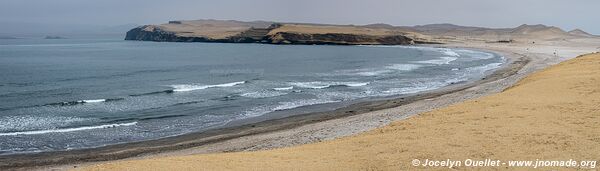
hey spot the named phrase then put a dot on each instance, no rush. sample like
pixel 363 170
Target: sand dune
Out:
pixel 550 115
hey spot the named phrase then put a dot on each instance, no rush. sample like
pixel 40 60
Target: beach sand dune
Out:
pixel 553 114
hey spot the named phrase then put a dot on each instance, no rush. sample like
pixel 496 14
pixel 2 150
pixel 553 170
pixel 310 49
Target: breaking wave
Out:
pixel 283 88
pixel 67 129
pixel 71 103
pixel 192 87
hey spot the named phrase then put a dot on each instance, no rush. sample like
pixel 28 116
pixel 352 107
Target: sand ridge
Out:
pixel 550 115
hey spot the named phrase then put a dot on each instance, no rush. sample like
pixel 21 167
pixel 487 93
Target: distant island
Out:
pixel 54 37
pixel 230 31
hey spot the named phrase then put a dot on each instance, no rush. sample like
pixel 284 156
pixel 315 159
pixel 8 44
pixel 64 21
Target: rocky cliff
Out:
pixel 337 39
pixel 229 31
pixel 275 33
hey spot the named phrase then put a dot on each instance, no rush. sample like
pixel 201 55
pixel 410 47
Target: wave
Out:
pixel 356 84
pixel 445 51
pixel 71 103
pixel 300 103
pixel 483 68
pixel 18 123
pixel 263 94
pixel 415 87
pixel 476 54
pixel 92 101
pixel 441 61
pixel 261 110
pixel 449 52
pixel 378 71
pixel 191 87
pixel 404 67
pixel 283 88
pixel 152 93
pixel 67 129
pixel 322 85
pixel 373 73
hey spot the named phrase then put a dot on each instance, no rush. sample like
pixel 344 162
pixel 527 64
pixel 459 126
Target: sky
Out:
pixel 65 14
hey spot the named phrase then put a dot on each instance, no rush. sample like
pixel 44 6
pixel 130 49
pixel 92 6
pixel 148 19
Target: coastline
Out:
pixel 187 144
pixel 545 119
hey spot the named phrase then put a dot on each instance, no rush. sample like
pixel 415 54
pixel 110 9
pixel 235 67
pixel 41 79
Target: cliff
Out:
pixel 265 32
pixel 229 31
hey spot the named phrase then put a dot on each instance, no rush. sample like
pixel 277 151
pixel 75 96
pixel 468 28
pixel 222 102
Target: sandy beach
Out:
pixel 548 115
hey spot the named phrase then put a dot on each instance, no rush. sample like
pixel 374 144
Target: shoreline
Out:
pixel 552 110
pixel 240 129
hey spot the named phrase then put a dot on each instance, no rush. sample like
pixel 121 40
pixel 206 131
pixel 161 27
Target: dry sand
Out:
pixel 550 115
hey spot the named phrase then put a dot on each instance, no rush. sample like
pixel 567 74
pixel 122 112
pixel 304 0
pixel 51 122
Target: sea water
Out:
pixel 81 93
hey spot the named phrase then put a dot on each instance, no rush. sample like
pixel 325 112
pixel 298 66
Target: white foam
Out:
pixel 415 87
pixel 476 54
pixel 442 61
pixel 373 73
pixel 257 111
pixel 93 101
pixel 263 94
pixel 300 103
pixel 483 68
pixel 356 84
pixel 261 110
pixel 445 51
pixel 449 52
pixel 404 67
pixel 67 129
pixel 35 122
pixel 192 87
pixel 312 85
pixel 407 90
pixel 283 88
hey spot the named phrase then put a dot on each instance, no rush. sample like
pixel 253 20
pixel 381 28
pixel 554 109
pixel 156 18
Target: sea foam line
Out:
pixel 441 61
pixel 67 129
pixel 188 87
pixel 283 88
pixel 93 101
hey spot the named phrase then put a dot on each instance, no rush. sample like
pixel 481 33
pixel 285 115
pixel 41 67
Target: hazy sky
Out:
pixel 567 14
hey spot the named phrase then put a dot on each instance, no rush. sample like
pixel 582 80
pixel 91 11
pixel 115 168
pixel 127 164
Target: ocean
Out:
pixel 67 94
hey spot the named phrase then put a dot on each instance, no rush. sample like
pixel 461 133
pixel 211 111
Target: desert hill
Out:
pixel 579 32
